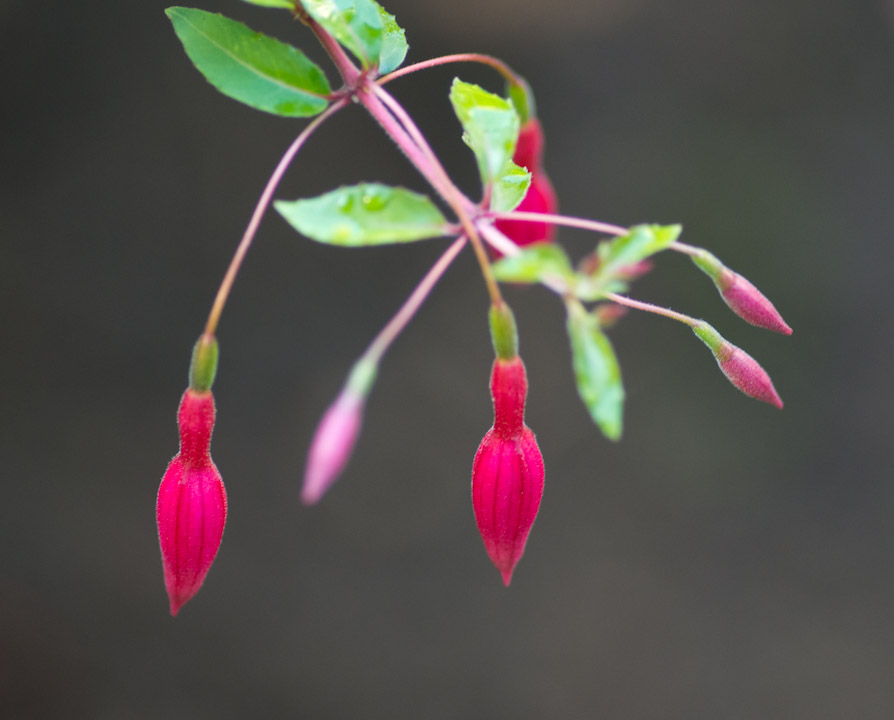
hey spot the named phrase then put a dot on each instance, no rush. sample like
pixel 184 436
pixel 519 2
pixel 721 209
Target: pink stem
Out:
pixel 263 202
pixel 582 223
pixel 649 307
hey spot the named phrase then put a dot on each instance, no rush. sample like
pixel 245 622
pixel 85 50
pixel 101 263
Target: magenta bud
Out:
pixel 332 445
pixel 749 303
pixel 337 433
pixel 740 368
pixel 540 198
pixel 507 473
pixel 191 509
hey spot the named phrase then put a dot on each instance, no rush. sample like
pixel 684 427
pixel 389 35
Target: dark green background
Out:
pixel 725 560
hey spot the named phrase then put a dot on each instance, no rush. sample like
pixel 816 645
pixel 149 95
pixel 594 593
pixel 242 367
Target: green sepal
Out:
pixel 613 256
pixel 490 127
pixel 596 371
pixel 503 331
pixel 203 366
pixel 362 377
pixel 709 336
pixel 535 263
pixel 250 67
pixel 365 214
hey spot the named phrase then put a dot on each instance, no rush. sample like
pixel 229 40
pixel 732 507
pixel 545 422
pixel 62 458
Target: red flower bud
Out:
pixel 749 303
pixel 192 503
pixel 540 198
pixel 507 474
pixel 332 445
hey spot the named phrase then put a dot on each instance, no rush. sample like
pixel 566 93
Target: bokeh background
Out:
pixel 725 560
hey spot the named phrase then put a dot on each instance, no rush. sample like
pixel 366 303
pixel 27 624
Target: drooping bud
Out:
pixel 740 368
pixel 540 198
pixel 337 434
pixel 191 509
pixel 740 295
pixel 507 473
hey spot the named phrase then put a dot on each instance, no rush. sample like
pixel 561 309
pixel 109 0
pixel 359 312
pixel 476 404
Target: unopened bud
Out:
pixel 740 368
pixel 507 473
pixel 337 434
pixel 191 509
pixel 742 297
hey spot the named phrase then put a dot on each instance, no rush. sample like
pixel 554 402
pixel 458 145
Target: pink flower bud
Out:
pixel 192 504
pixel 740 368
pixel 507 474
pixel 749 303
pixel 332 445
pixel 745 373
pixel 540 197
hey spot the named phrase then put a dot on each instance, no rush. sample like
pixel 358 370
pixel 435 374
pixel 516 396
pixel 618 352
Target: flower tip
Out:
pixel 507 576
pixel 747 375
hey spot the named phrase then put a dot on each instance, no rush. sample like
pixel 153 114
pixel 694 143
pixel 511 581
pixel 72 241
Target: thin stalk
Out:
pixel 400 126
pixel 567 221
pixel 649 307
pixel 493 62
pixel 396 325
pixel 263 202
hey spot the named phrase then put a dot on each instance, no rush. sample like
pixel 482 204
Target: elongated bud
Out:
pixel 740 368
pixel 507 473
pixel 540 198
pixel 337 434
pixel 740 295
pixel 191 509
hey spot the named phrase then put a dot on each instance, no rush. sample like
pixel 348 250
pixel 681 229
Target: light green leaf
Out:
pixel 252 68
pixel 365 214
pixel 596 370
pixel 510 189
pixel 534 263
pixel 394 44
pixel 639 243
pixel 284 4
pixel 490 124
pixel 616 255
pixel 356 24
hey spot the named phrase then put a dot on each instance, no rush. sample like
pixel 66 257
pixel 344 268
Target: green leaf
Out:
pixel 365 214
pixel 639 243
pixel 356 24
pixel 596 370
pixel 284 4
pixel 616 255
pixel 509 189
pixel 252 68
pixel 533 264
pixel 490 124
pixel 394 44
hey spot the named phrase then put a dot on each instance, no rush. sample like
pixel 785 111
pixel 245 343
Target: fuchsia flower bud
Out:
pixel 740 368
pixel 337 433
pixel 507 474
pixel 192 503
pixel 739 294
pixel 749 303
pixel 540 197
pixel 191 509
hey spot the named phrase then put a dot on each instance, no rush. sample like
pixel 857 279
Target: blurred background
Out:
pixel 725 560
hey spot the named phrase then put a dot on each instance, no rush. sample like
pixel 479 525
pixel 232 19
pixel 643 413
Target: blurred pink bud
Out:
pixel 332 445
pixel 507 474
pixel 192 504
pixel 540 198
pixel 749 303
pixel 745 373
